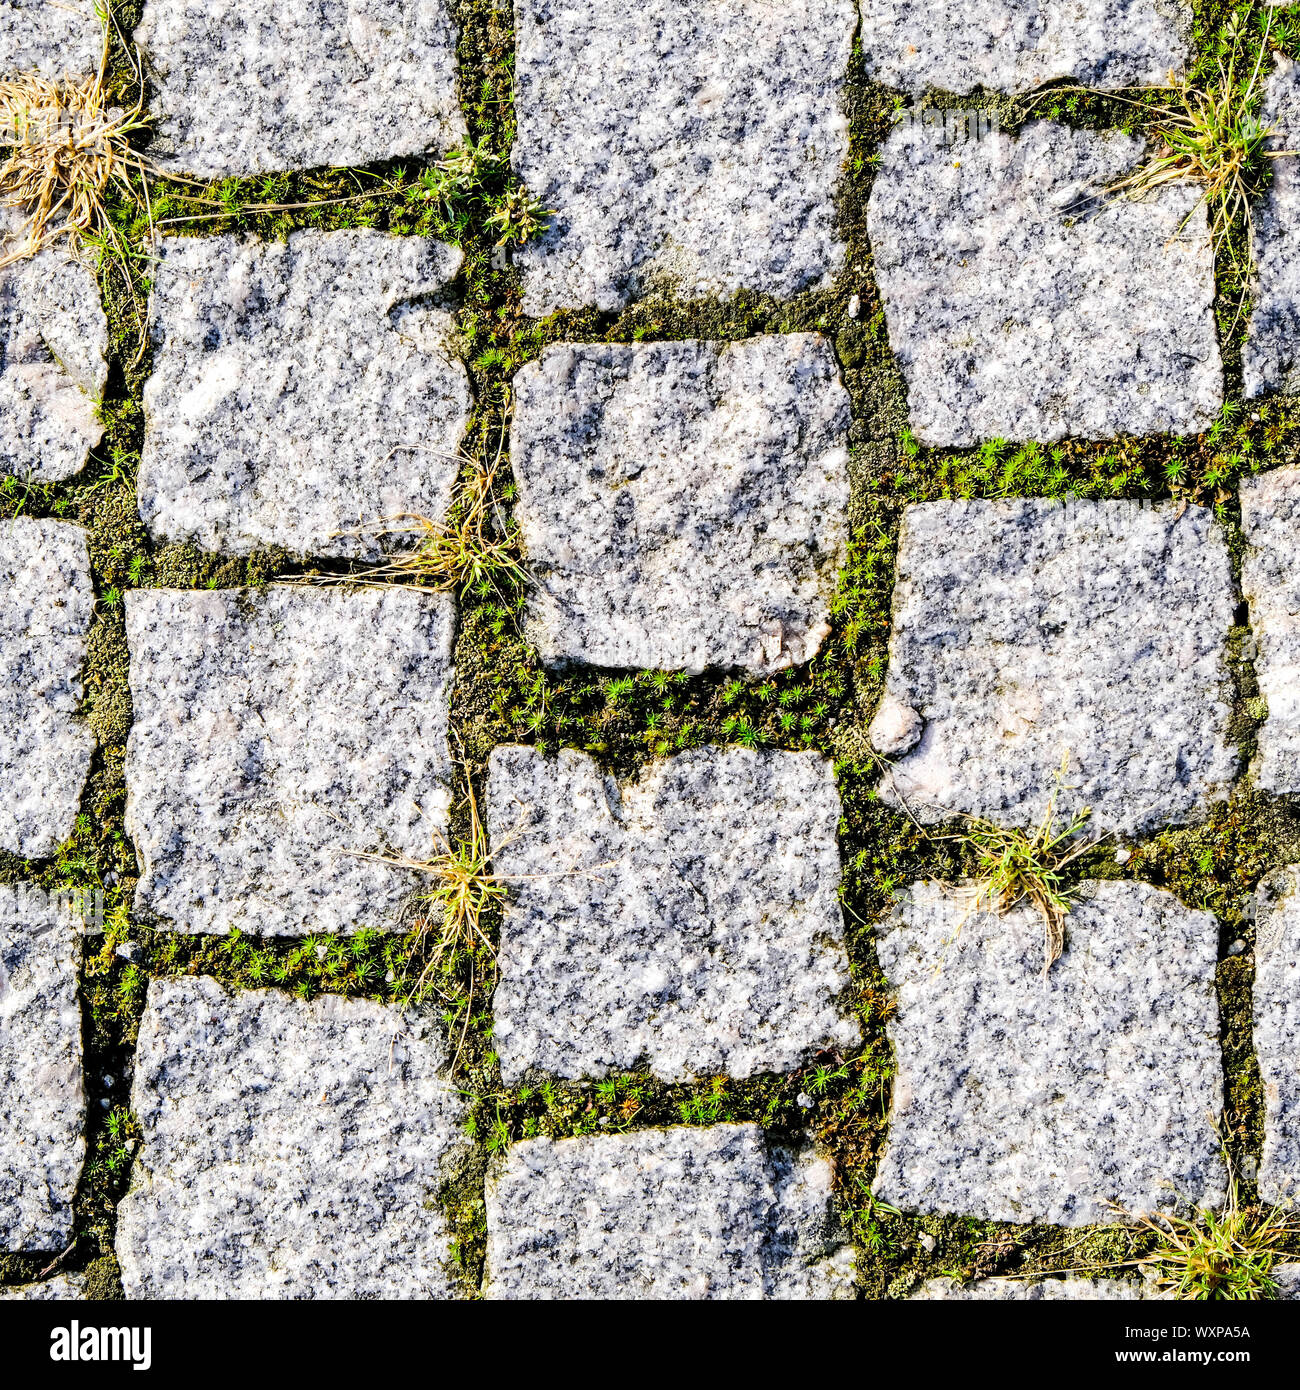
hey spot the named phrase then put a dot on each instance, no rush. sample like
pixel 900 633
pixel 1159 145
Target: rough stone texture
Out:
pixel 698 149
pixel 60 1289
pixel 664 1214
pixel 1287 1279
pixel 1270 581
pixel 275 737
pixel 290 1149
pixel 683 504
pixel 1024 303
pixel 689 922
pixel 42 1099
pixel 53 361
pixel 1023 1099
pixel 56 38
pixel 1013 45
pixel 1036 1290
pixel 1277 1030
pixel 300 390
pixel 1026 630
pixel 1270 356
pixel 294 84
pixel 46 603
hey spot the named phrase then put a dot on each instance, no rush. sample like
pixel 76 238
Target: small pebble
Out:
pixel 803 1101
pixel 1122 856
pixel 928 1242
pixel 855 306
pixel 130 951
pixel 1236 948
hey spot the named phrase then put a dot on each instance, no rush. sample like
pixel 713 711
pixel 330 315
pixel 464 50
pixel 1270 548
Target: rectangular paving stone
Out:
pixel 56 38
pixel 47 600
pixel 1270 356
pixel 298 84
pixel 1029 630
pixel 682 505
pixel 1277 1031
pixel 1073 1290
pixel 1058 1099
pixel 53 361
pixel 290 1149
pixel 1013 45
pixel 716 1213
pixel 42 1096
pixel 691 149
pixel 688 922
pixel 60 1289
pixel 300 390
pixel 1270 581
pixel 1025 303
pixel 276 736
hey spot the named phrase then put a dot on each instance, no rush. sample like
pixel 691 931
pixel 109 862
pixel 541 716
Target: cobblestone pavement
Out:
pixel 524 593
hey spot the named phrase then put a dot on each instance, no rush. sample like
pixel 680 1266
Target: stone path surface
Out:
pixel 1019 1098
pixel 300 390
pixel 1270 356
pixel 42 1098
pixel 56 38
pixel 682 505
pixel 290 1149
pixel 291 84
pixel 689 921
pixel 1023 303
pixel 694 149
pixel 61 1288
pixel 276 736
pixel 1014 45
pixel 715 1213
pixel 1028 630
pixel 1035 1290
pixel 53 365
pixel 1270 519
pixel 46 602
pixel 1277 1031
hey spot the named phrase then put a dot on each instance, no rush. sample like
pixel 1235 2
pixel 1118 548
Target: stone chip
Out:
pixel 682 505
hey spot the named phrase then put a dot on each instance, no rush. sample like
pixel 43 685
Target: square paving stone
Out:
pixel 682 505
pixel 47 600
pixel 1013 45
pixel 714 1213
pixel 290 1149
pixel 276 737
pixel 57 38
pixel 1270 357
pixel 1069 1099
pixel 688 922
pixel 53 361
pixel 1028 632
pixel 1270 581
pixel 42 1098
pixel 679 147
pixel 1277 1031
pixel 298 84
pixel 1025 303
pixel 300 390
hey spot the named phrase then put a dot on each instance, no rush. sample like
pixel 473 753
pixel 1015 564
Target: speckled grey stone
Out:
pixel 1019 1098
pixel 61 1288
pixel 46 603
pixel 275 736
pixel 290 1149
pixel 300 390
pixel 1270 356
pixel 682 504
pixel 688 922
pixel 1026 630
pixel 1287 1279
pixel 53 361
pixel 711 1213
pixel 42 1099
pixel 1013 45
pixel 57 38
pixel 1270 581
pixel 1024 303
pixel 1277 1030
pixel 689 149
pixel 295 84
pixel 1036 1290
